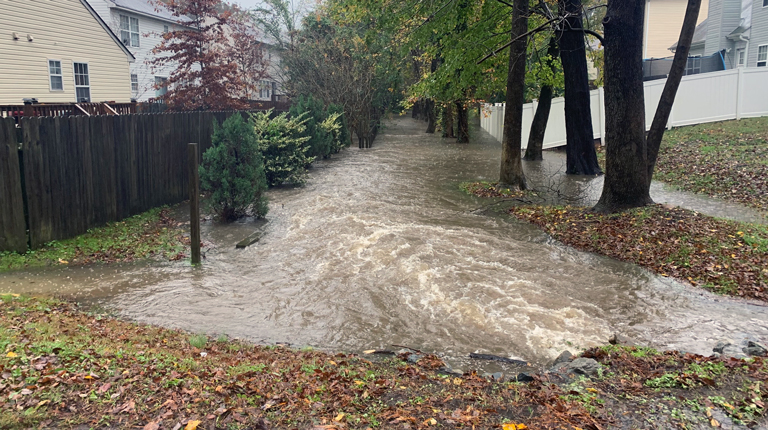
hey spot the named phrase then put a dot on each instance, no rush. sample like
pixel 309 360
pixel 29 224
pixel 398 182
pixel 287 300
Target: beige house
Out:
pixel 663 21
pixel 60 51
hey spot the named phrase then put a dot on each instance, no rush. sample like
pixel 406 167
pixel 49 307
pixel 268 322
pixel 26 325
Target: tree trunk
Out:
pixel 431 120
pixel 511 172
pixel 462 126
pixel 448 121
pixel 535 146
pixel 626 163
pixel 415 111
pixel 581 158
pixel 670 88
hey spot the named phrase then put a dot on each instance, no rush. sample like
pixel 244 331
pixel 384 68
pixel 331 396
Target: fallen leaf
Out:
pixel 714 422
pixel 11 354
pixel 511 426
pixel 152 426
pixel 369 351
pixel 339 417
pixel 192 425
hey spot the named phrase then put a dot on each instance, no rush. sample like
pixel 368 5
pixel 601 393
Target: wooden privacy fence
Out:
pixel 70 174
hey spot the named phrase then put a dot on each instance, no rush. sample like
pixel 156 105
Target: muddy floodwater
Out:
pixel 381 248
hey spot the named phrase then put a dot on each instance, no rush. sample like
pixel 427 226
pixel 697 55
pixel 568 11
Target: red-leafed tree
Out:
pixel 204 54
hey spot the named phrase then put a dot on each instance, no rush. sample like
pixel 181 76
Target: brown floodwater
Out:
pixel 381 248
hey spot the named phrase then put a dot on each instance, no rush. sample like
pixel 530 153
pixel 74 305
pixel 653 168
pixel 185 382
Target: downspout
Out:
pixel 746 50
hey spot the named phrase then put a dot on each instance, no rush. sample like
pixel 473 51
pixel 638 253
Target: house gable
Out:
pixel 65 32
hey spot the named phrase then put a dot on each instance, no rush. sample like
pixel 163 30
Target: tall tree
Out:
pixel 629 156
pixel 535 146
pixel 581 158
pixel 511 172
pixel 205 75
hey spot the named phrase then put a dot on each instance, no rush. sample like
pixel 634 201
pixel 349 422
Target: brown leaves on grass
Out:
pixel 728 160
pixel 725 256
pixel 489 189
pixel 72 369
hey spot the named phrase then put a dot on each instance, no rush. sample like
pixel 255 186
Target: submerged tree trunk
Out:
pixel 626 162
pixel 533 151
pixel 462 123
pixel 535 146
pixel 448 120
pixel 629 156
pixel 511 172
pixel 431 119
pixel 581 157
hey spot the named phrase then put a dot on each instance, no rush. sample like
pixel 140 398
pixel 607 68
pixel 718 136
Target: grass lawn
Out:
pixel 152 233
pixel 64 368
pixel 727 257
pixel 727 160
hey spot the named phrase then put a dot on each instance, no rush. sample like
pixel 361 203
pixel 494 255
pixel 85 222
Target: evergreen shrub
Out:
pixel 283 142
pixel 233 171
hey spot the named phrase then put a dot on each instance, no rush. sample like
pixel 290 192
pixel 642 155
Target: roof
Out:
pixel 109 31
pixel 700 34
pixel 149 8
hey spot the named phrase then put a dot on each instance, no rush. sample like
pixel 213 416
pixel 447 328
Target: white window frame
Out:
pixel 166 29
pixel 764 60
pixel 74 79
pixel 765 3
pixel 60 75
pixel 134 83
pixel 741 57
pixel 130 31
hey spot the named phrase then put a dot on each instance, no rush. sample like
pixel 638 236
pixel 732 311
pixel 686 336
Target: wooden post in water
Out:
pixel 194 203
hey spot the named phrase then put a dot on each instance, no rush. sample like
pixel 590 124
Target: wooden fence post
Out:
pixel 194 203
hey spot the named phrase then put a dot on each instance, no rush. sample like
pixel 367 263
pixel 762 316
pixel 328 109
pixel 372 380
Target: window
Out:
pixel 160 86
pixel 765 3
pixel 134 83
pixel 694 66
pixel 54 72
pixel 762 55
pixel 265 89
pixel 82 83
pixel 129 30
pixel 740 58
pixel 165 29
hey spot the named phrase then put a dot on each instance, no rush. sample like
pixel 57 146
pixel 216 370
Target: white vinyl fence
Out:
pixel 706 97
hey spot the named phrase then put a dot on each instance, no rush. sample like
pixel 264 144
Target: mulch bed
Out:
pixel 724 256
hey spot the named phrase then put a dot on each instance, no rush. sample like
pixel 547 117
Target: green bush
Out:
pixel 283 144
pixel 320 140
pixel 341 138
pixel 233 171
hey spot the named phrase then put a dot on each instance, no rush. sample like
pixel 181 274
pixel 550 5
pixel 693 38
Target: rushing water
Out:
pixel 381 248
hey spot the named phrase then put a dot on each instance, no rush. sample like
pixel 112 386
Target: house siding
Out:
pixel 665 20
pixel 759 31
pixel 150 35
pixel 62 30
pixel 724 17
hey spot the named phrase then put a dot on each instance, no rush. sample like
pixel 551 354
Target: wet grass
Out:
pixel 724 256
pixel 64 368
pixel 489 189
pixel 152 233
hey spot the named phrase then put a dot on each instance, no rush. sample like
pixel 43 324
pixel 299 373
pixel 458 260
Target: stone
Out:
pixel 497 376
pixel 620 339
pixel 583 366
pixel 413 358
pixel 755 349
pixel 524 377
pixel 564 357
pixel 721 345
pixel 448 370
